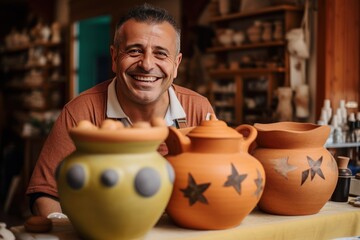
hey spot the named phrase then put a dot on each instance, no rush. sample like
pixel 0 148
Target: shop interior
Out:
pixel 256 61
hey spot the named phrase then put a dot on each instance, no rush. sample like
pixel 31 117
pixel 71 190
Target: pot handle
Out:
pixel 249 133
pixel 177 141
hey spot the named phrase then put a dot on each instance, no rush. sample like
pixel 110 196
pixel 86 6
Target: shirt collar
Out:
pixel 114 110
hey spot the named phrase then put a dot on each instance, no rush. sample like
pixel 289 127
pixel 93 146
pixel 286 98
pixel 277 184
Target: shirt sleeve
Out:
pixel 57 146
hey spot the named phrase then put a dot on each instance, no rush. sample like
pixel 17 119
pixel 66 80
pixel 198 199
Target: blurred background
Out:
pixel 256 61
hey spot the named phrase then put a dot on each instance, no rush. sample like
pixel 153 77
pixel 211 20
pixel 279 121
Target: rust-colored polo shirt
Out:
pixel 92 105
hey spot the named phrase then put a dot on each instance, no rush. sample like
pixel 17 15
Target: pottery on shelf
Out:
pixel 224 7
pixel 218 183
pixel 302 100
pixel 254 32
pixel 278 30
pixel 267 32
pixel 115 185
pixel 238 38
pixel 301 174
pixel 225 37
pixel 284 109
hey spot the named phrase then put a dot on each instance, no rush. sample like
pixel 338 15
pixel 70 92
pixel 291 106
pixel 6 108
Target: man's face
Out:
pixel 146 62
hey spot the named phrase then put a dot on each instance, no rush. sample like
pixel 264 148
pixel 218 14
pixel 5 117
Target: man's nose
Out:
pixel 147 62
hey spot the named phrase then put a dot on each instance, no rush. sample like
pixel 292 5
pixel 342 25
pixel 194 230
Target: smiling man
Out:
pixel 145 59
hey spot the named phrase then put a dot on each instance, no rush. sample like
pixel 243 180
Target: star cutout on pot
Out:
pixel 195 191
pixel 259 184
pixel 313 170
pixel 282 166
pixel 235 179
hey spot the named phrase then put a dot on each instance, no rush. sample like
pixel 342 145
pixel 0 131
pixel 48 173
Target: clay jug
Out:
pixel 218 183
pixel 115 185
pixel 301 174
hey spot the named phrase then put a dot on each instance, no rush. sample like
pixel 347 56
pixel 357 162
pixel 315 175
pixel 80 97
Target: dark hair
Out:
pixel 150 14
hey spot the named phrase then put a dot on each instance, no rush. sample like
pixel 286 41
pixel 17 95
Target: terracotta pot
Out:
pixel 301 174
pixel 218 183
pixel 115 185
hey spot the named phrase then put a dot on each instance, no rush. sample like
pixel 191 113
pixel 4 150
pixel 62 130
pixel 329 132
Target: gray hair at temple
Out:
pixel 149 14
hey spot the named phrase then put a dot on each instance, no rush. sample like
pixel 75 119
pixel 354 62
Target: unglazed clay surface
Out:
pixel 218 183
pixel 300 173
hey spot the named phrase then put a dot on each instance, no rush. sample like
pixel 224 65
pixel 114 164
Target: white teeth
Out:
pixel 145 79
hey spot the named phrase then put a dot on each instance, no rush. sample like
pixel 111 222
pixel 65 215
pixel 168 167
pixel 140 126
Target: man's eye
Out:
pixel 134 52
pixel 161 54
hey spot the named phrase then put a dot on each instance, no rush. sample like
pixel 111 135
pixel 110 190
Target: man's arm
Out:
pixel 43 206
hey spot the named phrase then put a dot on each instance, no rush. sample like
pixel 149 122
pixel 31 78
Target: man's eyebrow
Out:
pixel 138 45
pixel 162 49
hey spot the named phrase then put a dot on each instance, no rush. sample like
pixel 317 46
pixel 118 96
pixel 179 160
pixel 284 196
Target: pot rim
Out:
pixel 120 135
pixel 291 127
pixel 291 135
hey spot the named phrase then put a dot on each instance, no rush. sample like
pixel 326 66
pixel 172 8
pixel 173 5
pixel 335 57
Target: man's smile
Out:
pixel 145 78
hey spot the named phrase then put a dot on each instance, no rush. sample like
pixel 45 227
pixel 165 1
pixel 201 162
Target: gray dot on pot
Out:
pixel 109 178
pixel 171 172
pixel 147 182
pixel 75 176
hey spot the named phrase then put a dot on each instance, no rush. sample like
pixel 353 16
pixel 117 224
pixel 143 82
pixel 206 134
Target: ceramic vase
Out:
pixel 267 32
pixel 284 109
pixel 218 183
pixel 238 38
pixel 302 99
pixel 224 7
pixel 341 192
pixel 115 185
pixel 226 37
pixel 278 31
pixel 300 173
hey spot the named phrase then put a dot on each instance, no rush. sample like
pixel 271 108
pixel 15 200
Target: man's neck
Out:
pixel 141 112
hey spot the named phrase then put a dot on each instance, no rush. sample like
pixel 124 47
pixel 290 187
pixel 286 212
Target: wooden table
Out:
pixel 335 220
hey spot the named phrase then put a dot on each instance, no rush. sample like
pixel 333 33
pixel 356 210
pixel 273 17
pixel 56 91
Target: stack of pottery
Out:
pixel 254 32
pixel 301 174
pixel 115 185
pixel 218 183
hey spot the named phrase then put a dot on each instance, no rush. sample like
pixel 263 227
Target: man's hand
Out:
pixel 43 206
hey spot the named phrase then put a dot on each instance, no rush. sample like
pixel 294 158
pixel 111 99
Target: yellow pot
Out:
pixel 115 185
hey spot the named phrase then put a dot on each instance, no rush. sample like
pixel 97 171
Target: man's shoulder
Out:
pixel 93 95
pixel 186 92
pixel 99 88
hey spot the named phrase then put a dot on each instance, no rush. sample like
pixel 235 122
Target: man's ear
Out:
pixel 177 63
pixel 113 53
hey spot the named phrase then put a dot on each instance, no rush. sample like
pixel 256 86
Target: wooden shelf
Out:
pixel 31 45
pixel 26 86
pixel 263 11
pixel 245 71
pixel 272 55
pixel 246 46
pixel 29 67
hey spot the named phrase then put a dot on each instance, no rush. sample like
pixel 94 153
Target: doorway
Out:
pixel 91 53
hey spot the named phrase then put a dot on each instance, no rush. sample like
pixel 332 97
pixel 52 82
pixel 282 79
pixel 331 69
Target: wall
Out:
pixel 338 51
